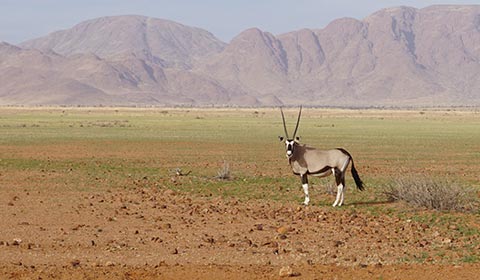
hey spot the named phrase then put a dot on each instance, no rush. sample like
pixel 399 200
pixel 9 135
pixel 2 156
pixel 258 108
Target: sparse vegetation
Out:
pixel 438 194
pixel 118 154
pixel 180 172
pixel 224 172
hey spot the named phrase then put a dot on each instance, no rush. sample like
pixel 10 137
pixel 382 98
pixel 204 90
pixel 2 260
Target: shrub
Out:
pixel 224 172
pixel 438 194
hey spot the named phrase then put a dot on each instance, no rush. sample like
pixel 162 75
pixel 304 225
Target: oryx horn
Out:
pixel 284 125
pixel 298 122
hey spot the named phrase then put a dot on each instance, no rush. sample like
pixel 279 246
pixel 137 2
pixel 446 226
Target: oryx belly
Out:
pixel 301 169
pixel 322 174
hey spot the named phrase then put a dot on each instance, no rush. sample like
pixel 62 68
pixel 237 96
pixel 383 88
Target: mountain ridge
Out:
pixel 398 56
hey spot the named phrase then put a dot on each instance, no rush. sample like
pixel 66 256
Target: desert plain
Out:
pixel 185 193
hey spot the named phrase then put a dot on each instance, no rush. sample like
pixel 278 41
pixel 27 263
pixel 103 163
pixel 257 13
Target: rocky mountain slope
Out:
pixel 395 57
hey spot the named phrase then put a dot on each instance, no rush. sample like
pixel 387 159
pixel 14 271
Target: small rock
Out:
pixel 166 226
pixel 287 271
pixel 424 226
pixel 283 229
pixel 157 239
pixel 16 241
pixel 75 263
pixel 259 226
pixel 209 239
pixel 109 263
pixel 248 242
pixel 302 251
pixel 283 236
pixel 452 227
pixel 447 241
pixel 169 192
pixel 423 243
pixel 272 244
pixel 175 251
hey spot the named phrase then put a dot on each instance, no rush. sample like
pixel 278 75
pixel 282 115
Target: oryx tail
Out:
pixel 355 175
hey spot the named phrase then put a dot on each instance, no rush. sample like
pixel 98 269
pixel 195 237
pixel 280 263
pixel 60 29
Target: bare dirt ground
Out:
pixel 69 210
pixel 156 233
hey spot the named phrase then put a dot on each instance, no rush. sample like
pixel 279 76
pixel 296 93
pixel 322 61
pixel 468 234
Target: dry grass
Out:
pixel 438 194
pixel 224 172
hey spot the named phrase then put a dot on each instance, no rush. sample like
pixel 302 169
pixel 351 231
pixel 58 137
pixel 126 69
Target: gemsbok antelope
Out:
pixel 306 161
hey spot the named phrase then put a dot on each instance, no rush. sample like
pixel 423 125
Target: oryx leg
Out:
pixel 305 189
pixel 342 183
pixel 340 180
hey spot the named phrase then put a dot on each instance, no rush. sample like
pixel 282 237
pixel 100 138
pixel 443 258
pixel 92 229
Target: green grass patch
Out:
pixel 112 143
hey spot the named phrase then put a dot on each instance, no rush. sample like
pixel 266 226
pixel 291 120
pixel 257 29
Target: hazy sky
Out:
pixel 26 19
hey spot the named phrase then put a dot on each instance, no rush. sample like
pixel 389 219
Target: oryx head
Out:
pixel 290 142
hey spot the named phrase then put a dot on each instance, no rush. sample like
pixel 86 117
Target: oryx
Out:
pixel 306 161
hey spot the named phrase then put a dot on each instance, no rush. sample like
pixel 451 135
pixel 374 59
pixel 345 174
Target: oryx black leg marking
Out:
pixel 338 182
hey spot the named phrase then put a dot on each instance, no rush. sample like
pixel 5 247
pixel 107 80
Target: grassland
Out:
pixel 113 145
pixel 104 150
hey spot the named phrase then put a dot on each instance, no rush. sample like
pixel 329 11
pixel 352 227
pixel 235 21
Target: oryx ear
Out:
pixel 280 138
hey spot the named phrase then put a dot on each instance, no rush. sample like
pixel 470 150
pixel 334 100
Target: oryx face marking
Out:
pixel 289 144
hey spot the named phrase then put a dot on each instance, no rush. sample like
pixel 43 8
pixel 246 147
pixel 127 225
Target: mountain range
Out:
pixel 395 57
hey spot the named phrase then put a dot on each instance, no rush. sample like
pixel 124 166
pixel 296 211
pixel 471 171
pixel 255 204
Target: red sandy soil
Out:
pixel 157 233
